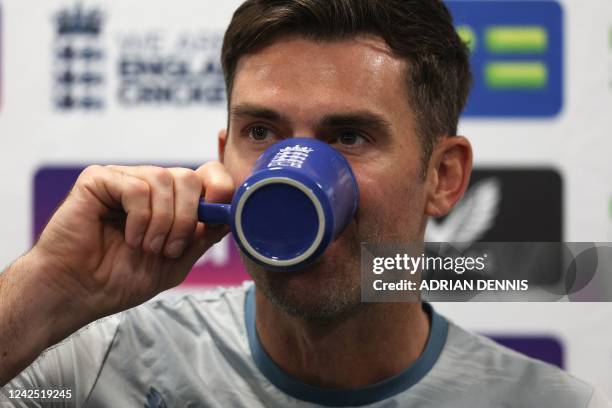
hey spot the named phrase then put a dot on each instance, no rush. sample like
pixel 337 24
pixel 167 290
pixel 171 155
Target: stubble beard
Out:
pixel 327 291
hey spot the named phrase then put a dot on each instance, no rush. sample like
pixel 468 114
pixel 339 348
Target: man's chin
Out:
pixel 307 280
pixel 323 290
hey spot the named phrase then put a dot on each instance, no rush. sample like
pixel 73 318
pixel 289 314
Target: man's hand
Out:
pixel 122 235
pixel 125 234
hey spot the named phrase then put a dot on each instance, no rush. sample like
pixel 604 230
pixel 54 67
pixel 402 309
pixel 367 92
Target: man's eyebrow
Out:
pixel 361 119
pixel 247 110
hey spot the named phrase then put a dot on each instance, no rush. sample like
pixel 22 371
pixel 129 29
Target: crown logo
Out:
pixel 79 21
pixel 296 149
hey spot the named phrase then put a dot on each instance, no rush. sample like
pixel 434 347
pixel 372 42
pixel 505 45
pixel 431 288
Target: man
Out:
pixel 384 82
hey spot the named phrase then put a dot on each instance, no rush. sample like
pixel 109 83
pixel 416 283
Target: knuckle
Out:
pixel 211 164
pixel 161 176
pixel 188 177
pixel 90 172
pixel 88 179
pixel 209 168
pixel 184 223
pixel 139 187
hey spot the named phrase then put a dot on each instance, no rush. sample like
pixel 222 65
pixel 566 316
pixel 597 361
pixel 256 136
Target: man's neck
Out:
pixel 375 343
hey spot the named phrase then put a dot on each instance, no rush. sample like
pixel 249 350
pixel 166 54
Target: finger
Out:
pixel 119 189
pixel 206 237
pixel 217 182
pixel 187 193
pixel 161 184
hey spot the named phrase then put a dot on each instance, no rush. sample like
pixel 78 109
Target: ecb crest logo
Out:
pixel 78 75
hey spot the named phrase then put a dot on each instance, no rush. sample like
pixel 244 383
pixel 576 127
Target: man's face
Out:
pixel 352 94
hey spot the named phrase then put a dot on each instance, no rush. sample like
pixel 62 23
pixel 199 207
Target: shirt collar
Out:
pixel 347 397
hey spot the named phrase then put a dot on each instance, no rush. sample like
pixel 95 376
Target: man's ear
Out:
pixel 448 174
pixel 221 140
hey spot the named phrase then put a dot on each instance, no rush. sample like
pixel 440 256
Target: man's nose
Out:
pixel 306 132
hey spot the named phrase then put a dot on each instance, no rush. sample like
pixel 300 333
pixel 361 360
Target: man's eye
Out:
pixel 350 138
pixel 259 133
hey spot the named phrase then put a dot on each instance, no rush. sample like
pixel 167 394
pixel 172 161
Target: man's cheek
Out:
pixel 239 163
pixel 373 200
pixel 386 216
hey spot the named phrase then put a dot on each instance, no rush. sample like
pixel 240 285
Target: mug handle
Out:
pixel 210 213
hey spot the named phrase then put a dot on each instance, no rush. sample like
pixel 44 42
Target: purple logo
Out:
pixel 544 348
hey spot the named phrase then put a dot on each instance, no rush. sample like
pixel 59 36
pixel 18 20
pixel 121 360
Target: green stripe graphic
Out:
pixel 468 36
pixel 516 75
pixel 516 39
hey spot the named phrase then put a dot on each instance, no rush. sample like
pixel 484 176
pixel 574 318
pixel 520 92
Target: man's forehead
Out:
pixel 361 67
pixel 364 45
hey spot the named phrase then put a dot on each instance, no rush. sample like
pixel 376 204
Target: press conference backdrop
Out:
pixel 139 81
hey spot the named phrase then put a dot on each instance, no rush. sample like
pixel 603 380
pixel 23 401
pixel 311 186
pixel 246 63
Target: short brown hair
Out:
pixel 419 31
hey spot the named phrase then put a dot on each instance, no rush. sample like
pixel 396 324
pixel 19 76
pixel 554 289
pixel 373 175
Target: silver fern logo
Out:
pixel 471 218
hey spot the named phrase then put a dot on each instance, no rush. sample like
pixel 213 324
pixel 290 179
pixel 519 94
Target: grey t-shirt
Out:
pixel 203 351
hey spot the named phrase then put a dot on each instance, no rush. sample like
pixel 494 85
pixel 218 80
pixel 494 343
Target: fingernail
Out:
pixel 175 249
pixel 157 243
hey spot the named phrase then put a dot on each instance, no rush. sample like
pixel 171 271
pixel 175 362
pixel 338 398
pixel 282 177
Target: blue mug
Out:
pixel 300 196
